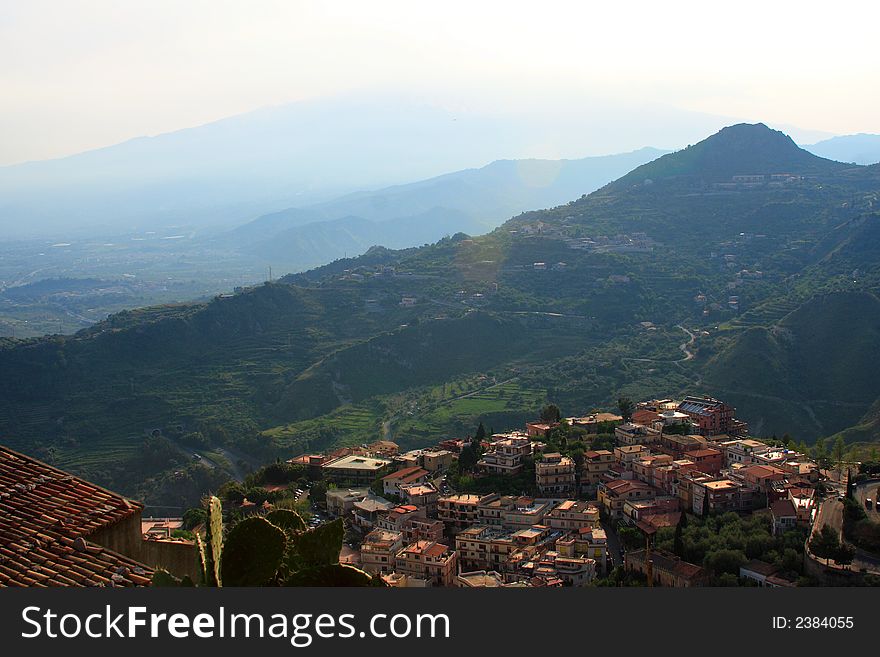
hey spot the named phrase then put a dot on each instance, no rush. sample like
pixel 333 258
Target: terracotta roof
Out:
pixel 783 509
pixel 407 474
pixel 645 417
pixel 759 567
pixel 428 548
pixel 45 517
pixel 763 470
pixel 620 486
pixel 707 451
pixel 655 521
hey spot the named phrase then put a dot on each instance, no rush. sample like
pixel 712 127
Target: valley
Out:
pixel 743 267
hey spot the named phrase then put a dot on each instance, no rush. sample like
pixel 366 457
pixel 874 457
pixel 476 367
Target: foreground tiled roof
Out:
pixel 46 516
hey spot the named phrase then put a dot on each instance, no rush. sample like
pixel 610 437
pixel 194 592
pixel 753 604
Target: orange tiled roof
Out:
pixel 414 472
pixel 45 517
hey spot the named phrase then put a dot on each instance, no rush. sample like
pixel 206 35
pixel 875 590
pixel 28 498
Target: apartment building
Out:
pixel 460 511
pixel 626 454
pixel 666 477
pixel 505 454
pixel 415 528
pixel 710 415
pixel 760 477
pixel 367 512
pixel 422 495
pixel 433 459
pixel 613 494
pixel 395 518
pixel 596 421
pixel 722 495
pixel 379 551
pixel 555 475
pixel 392 483
pixel 484 548
pixel 573 571
pixel 340 501
pixel 636 434
pixel 783 517
pixel 540 430
pixel 355 470
pixel 429 560
pixel 572 515
pixel 586 542
pixel 522 512
pixel 742 451
pixel 638 511
pixel 706 459
pixel 643 468
pixel 596 464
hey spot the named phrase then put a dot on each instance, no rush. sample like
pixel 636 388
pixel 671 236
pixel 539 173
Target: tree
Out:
pixel 627 407
pixel 725 561
pixel 467 459
pixel 194 517
pixel 845 554
pixel 318 493
pixel 839 451
pixel 678 545
pixel 825 544
pixel 480 434
pixel 820 452
pixel 631 538
pixel 550 414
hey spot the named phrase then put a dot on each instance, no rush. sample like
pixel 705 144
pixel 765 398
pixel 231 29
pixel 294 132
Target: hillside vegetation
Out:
pixel 764 293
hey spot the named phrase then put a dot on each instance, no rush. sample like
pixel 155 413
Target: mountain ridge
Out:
pixel 741 149
pixel 594 291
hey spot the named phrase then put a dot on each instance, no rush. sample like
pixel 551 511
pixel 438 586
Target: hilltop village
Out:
pixel 660 493
pixel 576 501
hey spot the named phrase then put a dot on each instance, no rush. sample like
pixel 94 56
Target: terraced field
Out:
pixel 347 425
pixel 767 314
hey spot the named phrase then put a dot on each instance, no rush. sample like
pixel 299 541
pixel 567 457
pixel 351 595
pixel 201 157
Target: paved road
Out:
pixel 831 513
pixel 613 542
pixel 684 346
pixel 869 490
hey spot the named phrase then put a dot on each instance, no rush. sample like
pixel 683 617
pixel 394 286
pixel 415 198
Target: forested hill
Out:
pixel 577 304
pixel 738 150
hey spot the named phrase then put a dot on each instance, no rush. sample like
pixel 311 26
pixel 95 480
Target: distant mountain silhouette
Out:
pixel 858 149
pixel 472 201
pixel 228 172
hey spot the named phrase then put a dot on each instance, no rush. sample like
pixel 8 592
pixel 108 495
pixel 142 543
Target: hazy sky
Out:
pixel 78 74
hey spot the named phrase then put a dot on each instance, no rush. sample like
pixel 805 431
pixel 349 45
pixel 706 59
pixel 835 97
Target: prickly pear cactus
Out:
pixel 214 539
pixel 202 557
pixel 252 553
pixel 162 578
pixel 286 519
pixel 332 575
pixel 317 547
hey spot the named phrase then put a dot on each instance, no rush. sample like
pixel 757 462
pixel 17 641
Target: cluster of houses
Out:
pixel 418 532
pixel 670 457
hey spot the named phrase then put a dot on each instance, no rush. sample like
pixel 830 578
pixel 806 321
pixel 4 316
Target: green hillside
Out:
pixel 577 304
pixel 814 372
pixel 742 149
